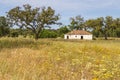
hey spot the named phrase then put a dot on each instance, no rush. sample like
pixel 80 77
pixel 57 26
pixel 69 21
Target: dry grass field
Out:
pixel 54 59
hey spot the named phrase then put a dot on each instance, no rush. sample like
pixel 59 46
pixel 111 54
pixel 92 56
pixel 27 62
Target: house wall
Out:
pixel 86 37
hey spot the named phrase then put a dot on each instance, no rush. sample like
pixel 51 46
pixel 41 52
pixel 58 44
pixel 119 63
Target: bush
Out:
pixel 14 34
pixel 48 34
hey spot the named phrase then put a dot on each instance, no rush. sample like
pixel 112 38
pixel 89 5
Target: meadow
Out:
pixel 55 59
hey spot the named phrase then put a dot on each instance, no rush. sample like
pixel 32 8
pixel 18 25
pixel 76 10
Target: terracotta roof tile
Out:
pixel 79 32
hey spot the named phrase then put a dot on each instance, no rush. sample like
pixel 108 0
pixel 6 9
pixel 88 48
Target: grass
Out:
pixel 54 59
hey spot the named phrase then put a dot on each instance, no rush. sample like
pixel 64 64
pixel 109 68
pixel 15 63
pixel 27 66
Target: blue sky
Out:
pixel 70 8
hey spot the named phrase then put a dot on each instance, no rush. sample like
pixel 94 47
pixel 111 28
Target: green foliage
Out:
pixel 107 27
pixel 63 30
pixel 25 32
pixel 33 19
pixel 14 33
pixel 46 33
pixel 96 26
pixel 77 23
pixel 118 32
pixel 19 32
pixel 4 29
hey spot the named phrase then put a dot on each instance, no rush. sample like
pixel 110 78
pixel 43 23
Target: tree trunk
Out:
pixel 37 33
pixel 36 36
pixel 105 36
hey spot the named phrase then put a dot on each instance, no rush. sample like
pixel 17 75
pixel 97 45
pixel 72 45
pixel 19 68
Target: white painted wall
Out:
pixel 85 37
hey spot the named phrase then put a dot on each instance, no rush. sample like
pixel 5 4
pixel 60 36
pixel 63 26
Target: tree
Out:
pixel 63 30
pixel 116 28
pixel 4 29
pixel 14 33
pixel 33 19
pixel 76 23
pixel 95 25
pixel 108 24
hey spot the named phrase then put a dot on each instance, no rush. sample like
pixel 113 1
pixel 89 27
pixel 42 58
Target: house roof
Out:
pixel 79 32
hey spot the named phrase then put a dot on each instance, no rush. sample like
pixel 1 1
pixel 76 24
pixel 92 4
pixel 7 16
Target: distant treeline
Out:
pixel 46 33
pixel 36 23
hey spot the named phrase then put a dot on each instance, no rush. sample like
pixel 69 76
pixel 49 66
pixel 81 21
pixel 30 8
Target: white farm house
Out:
pixel 78 34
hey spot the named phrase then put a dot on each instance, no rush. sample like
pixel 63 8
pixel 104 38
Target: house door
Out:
pixel 81 37
pixel 67 37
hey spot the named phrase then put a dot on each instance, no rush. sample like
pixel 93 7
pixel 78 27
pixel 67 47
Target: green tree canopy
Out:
pixel 106 26
pixel 76 23
pixel 4 29
pixel 63 30
pixel 95 25
pixel 33 19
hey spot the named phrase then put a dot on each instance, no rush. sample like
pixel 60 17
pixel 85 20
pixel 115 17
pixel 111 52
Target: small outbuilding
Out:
pixel 78 34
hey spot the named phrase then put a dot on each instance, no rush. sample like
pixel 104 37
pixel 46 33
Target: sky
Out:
pixel 69 8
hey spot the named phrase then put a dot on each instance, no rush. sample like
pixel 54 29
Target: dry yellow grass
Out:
pixel 48 59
